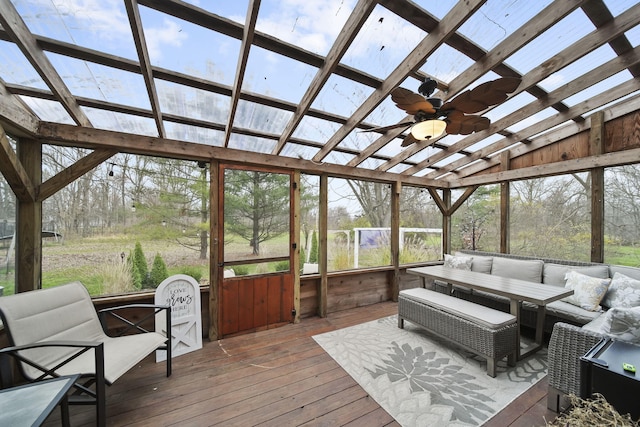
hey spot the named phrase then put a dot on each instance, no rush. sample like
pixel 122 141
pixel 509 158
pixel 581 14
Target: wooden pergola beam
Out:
pixel 247 40
pixel 13 171
pixel 135 22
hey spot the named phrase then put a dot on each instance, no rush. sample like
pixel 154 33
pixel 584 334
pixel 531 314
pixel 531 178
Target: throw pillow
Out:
pixel 622 323
pixel 623 292
pixel 587 291
pixel 459 262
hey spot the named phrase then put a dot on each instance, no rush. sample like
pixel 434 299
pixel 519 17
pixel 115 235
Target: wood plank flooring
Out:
pixel 277 377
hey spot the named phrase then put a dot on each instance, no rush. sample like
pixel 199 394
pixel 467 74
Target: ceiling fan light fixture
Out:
pixel 428 129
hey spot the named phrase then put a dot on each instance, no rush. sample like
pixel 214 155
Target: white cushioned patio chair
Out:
pixel 57 331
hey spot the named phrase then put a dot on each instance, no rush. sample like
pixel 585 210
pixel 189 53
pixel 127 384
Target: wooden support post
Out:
pixel 505 206
pixel 215 273
pixel 396 189
pixel 295 255
pixel 29 222
pixel 596 146
pixel 446 221
pixel 322 253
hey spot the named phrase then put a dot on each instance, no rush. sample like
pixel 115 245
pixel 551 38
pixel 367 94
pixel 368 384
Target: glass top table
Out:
pixel 31 404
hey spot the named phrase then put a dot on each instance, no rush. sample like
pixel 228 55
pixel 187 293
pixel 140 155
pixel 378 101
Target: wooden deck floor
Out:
pixel 278 377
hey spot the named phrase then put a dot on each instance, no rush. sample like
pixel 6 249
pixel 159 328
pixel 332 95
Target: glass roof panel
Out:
pixel 193 103
pixel 95 81
pixel 100 25
pixel 634 36
pixel 338 158
pixel 594 90
pixel 15 68
pixel 578 68
pixel 399 168
pixel 497 20
pixel 371 163
pixel 358 140
pixel 616 7
pixel 444 64
pixel 49 111
pixel 178 45
pixel 195 134
pixel 387 113
pixel 341 96
pixel 314 129
pixel 299 151
pixel 310 25
pixel 276 76
pixel 235 10
pixel 382 43
pixel 437 8
pixel 261 117
pixel 392 149
pixel 555 39
pixel 252 143
pixel 120 122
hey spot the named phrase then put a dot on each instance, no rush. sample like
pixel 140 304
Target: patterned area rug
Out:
pixel 421 380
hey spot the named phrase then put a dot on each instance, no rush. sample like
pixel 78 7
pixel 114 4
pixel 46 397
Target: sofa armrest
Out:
pixel 567 344
pixel 83 391
pixel 129 326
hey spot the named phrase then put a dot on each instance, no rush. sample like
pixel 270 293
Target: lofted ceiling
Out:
pixel 299 83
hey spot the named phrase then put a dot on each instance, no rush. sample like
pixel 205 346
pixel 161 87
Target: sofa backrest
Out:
pixel 554 274
pixel 529 270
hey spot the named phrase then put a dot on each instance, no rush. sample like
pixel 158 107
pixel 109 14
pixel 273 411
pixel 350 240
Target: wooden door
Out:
pixel 256 231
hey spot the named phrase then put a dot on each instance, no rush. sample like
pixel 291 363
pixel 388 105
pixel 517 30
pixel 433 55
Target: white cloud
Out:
pixel 104 17
pixel 157 37
pixel 310 24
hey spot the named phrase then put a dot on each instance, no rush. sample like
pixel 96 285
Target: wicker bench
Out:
pixel 482 330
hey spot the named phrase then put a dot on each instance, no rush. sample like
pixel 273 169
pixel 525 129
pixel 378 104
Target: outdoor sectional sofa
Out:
pixel 573 329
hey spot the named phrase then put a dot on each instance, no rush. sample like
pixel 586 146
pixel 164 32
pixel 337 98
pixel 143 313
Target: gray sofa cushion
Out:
pixel 529 270
pixel 481 264
pixel 564 310
pixel 554 274
pixel 632 272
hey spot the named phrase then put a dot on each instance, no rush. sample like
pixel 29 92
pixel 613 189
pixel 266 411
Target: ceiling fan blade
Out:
pixel 483 96
pixel 465 125
pixel 411 102
pixel 423 105
pixel 408 140
pixel 386 128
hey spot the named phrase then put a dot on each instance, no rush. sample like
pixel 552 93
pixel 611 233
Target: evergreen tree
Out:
pixel 256 205
pixel 158 271
pixel 140 265
pixel 313 254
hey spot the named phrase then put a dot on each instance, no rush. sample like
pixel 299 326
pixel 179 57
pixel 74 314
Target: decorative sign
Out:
pixel 182 294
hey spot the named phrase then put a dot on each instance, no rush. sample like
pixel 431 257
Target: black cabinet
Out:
pixel 602 371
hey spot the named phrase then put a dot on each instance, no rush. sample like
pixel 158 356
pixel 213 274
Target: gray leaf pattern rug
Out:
pixel 423 381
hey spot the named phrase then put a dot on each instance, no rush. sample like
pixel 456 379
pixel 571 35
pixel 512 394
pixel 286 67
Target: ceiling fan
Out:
pixel 432 117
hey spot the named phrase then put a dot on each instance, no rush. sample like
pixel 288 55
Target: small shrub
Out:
pixel 303 258
pixel 240 270
pixel 282 266
pixel 192 271
pixel 158 271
